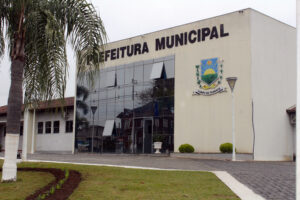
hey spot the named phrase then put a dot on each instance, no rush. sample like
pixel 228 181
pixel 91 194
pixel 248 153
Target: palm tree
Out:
pixel 82 94
pixel 37 32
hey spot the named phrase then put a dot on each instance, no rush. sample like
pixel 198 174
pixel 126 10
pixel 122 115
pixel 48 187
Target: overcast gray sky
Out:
pixel 128 18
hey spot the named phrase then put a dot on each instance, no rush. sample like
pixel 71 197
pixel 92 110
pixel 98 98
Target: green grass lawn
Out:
pixel 120 183
pixel 27 183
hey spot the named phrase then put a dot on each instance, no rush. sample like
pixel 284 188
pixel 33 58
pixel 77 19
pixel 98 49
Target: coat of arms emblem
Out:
pixel 209 76
pixel 210 73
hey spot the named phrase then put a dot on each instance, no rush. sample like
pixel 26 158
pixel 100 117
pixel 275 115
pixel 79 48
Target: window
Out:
pixel 69 126
pixel 158 71
pixel 156 122
pixel 108 128
pixel 120 77
pixel 102 79
pixel 111 79
pixel 165 123
pixel 40 127
pixel 21 129
pixel 147 72
pixel 139 73
pixel 48 127
pixel 169 67
pixel 128 75
pixel 56 127
pixel 127 124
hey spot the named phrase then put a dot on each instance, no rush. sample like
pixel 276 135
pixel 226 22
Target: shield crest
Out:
pixel 209 70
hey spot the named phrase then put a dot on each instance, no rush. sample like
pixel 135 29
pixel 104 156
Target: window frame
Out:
pixel 42 128
pixel 110 79
pixel 67 129
pixel 21 129
pixel 55 128
pixel 47 127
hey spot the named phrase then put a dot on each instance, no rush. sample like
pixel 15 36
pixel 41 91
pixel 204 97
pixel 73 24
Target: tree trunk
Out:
pixel 14 112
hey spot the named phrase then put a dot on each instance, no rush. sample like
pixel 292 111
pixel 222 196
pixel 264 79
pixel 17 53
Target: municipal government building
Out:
pixel 170 86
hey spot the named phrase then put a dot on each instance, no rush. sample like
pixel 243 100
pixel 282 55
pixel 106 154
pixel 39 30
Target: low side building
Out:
pixel 44 129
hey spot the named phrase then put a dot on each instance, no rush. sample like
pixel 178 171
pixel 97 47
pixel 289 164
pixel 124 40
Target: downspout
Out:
pixel 253 128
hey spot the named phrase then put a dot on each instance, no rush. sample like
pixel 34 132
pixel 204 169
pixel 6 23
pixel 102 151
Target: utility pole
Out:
pixel 231 82
pixel 93 108
pixel 133 138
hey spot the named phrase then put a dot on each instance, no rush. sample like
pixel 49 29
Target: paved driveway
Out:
pixel 272 180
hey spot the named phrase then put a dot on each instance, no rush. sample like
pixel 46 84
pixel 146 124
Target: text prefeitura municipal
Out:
pixel 162 43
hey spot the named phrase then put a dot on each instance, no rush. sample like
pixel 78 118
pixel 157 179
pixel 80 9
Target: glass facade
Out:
pixel 127 110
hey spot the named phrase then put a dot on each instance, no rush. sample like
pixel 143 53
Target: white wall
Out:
pixel 3 138
pixel 273 57
pixel 3 141
pixel 55 141
pixel 260 51
pixel 205 121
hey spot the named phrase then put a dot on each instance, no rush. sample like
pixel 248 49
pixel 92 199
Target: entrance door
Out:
pixel 142 140
pixel 138 135
pixel 148 135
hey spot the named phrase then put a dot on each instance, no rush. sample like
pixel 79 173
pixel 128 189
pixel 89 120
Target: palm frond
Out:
pixel 48 24
pixel 87 33
pixel 46 64
pixel 4 7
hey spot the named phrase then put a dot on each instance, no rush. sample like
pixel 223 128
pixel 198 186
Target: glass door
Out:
pixel 148 135
pixel 142 138
pixel 138 135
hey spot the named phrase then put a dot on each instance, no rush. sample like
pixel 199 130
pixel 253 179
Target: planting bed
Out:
pixel 65 190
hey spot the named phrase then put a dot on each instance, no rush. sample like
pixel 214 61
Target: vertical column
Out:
pixel 25 134
pixel 33 134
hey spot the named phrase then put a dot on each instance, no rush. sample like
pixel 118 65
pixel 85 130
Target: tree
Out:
pixel 82 94
pixel 37 32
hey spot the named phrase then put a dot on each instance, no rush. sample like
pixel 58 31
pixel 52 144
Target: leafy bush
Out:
pixel 226 148
pixel 186 148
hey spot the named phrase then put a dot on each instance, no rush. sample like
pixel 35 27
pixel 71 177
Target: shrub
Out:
pixel 226 148
pixel 52 190
pixel 67 174
pixel 186 148
pixel 157 138
pixel 58 186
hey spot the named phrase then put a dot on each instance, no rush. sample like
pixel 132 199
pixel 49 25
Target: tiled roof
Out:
pixel 56 103
pixel 291 109
pixel 3 109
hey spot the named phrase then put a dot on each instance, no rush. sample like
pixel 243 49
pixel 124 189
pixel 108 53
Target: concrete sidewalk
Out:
pixel 213 156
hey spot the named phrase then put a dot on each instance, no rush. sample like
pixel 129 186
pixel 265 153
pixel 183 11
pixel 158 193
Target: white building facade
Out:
pixel 170 86
pixel 258 50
